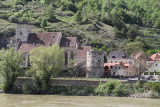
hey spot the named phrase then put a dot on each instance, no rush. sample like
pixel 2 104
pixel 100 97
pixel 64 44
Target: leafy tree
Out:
pixel 71 67
pixel 9 67
pixel 133 32
pixel 78 17
pixel 13 19
pixel 50 13
pixel 134 46
pixel 157 23
pixel 70 6
pixel 46 1
pixel 17 2
pixel 140 64
pixel 152 51
pixel 43 23
pixel 45 62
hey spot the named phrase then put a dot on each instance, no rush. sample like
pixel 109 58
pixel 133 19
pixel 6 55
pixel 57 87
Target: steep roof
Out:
pixel 25 48
pixel 141 55
pixel 125 66
pixel 82 52
pixel 46 38
pixel 68 41
pixel 118 55
pixel 155 56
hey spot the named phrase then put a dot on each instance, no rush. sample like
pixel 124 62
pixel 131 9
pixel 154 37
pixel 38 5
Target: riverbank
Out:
pixel 106 88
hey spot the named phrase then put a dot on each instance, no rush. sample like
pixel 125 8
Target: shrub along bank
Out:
pixel 111 88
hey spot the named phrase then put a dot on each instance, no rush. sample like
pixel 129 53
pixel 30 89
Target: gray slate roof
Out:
pixel 118 55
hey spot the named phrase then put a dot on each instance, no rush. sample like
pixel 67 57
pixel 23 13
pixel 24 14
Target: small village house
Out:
pixel 119 64
pixel 153 70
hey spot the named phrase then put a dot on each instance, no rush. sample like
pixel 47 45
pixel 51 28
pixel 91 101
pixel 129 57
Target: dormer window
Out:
pixel 111 67
pixel 113 56
pixel 123 56
pixel 49 44
pixel 21 33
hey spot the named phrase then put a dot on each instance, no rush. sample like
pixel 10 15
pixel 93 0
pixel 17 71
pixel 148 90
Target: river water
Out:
pixel 14 100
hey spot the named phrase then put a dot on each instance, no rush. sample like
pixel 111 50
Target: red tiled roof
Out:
pixel 155 56
pixel 124 65
pixel 68 41
pixel 82 52
pixel 25 48
pixel 44 38
pixel 110 64
pixel 141 56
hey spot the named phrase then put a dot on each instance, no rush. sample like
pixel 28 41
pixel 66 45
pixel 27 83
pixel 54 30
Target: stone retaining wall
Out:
pixel 20 81
pixel 69 82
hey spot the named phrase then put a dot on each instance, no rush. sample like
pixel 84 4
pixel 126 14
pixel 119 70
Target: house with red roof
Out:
pixel 119 69
pixel 153 71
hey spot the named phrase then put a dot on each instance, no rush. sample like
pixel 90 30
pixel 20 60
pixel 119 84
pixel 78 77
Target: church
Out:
pixel 85 59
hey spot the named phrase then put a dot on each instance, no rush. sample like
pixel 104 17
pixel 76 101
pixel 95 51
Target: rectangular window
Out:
pixel 145 73
pixel 113 56
pixel 151 73
pixel 123 56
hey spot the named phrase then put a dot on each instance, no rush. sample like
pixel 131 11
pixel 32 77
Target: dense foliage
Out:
pixel 45 62
pixel 9 67
pixel 111 88
pixel 105 24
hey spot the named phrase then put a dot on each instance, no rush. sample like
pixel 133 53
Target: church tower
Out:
pixel 95 64
pixel 22 33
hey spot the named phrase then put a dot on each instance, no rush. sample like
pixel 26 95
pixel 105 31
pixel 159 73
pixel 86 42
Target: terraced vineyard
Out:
pixel 152 37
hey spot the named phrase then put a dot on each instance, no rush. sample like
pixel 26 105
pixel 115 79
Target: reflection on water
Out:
pixel 8 100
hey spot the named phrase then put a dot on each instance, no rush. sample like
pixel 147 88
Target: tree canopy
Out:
pixel 9 67
pixel 46 61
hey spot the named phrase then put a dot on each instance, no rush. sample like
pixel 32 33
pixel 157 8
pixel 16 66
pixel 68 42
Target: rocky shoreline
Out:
pixel 138 95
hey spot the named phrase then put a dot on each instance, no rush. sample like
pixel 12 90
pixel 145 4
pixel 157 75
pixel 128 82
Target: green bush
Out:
pixel 119 90
pixel 70 6
pixel 152 94
pixel 13 19
pixel 138 87
pixel 56 89
pixel 25 19
pixel 27 88
pixel 72 90
pixel 5 16
pixel 113 88
pixel 156 86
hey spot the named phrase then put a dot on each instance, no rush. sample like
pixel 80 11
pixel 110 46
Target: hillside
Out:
pixel 104 24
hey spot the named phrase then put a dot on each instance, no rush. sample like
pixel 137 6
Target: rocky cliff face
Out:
pixel 5 37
